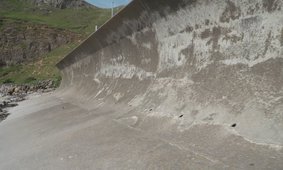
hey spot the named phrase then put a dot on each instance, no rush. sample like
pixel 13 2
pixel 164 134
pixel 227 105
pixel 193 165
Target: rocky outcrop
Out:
pixel 62 4
pixel 20 41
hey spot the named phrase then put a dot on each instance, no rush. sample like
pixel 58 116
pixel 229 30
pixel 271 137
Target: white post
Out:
pixel 112 10
pixel 96 28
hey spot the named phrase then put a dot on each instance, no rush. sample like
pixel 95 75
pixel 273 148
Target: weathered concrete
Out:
pixel 50 133
pixel 217 63
pixel 163 85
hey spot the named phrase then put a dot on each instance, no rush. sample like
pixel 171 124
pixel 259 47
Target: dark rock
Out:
pixel 3 115
pixel 11 90
pixel 11 94
pixel 22 42
pixel 62 4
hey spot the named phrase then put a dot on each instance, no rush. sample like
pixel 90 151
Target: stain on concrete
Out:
pixel 269 77
pixel 267 43
pixel 188 29
pixel 233 38
pixel 205 34
pixel 270 5
pixel 251 22
pixel 231 12
pixel 207 22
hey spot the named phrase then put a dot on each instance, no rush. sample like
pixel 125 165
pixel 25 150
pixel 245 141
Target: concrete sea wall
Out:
pixel 208 61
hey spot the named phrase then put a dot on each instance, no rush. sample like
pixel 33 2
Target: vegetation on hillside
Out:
pixel 81 21
pixel 37 70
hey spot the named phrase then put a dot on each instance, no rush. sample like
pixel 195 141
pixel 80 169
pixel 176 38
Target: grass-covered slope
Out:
pixel 80 20
pixel 40 69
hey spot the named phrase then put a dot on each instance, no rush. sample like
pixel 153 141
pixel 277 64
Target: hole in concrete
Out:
pixel 234 125
pixel 150 110
pixel 181 116
pixel 252 164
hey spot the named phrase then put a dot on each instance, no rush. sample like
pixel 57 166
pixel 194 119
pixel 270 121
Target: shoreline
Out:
pixel 11 94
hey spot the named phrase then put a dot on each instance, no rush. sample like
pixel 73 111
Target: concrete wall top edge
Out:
pixel 120 26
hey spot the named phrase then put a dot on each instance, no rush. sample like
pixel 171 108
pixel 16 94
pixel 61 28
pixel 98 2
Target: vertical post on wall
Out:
pixel 96 28
pixel 112 10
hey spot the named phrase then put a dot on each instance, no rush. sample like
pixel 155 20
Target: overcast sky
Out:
pixel 108 3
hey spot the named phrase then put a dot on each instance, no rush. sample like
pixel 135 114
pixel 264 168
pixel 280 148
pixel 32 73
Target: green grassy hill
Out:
pixel 81 21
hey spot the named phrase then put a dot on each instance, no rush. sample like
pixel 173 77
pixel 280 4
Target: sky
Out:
pixel 108 3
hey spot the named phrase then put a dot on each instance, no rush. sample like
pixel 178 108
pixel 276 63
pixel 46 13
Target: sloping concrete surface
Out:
pixel 38 136
pixel 183 84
